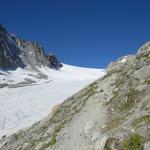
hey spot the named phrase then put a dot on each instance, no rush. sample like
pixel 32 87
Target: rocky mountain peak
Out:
pixel 9 52
pixel 2 28
pixel 54 61
pixel 16 52
pixel 32 53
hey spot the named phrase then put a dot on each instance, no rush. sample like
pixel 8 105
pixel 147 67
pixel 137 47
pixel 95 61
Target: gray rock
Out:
pixel 33 54
pixel 54 61
pixel 16 52
pixel 147 146
pixel 113 144
pixel 12 139
pixel 9 52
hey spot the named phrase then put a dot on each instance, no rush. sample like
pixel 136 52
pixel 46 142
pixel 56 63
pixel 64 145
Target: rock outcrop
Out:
pixel 32 53
pixel 16 52
pixel 9 52
pixel 113 113
pixel 54 61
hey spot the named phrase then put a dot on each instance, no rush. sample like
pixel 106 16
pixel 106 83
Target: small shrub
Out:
pixel 53 141
pixel 133 142
pixel 139 120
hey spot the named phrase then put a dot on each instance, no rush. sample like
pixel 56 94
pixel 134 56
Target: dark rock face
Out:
pixel 9 52
pixel 54 61
pixel 16 52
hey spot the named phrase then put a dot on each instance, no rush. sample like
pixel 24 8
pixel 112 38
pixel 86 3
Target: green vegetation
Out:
pixel 138 57
pixel 130 102
pixel 145 119
pixel 147 81
pixel 50 143
pixel 123 101
pixel 133 142
pixel 53 141
pixel 120 81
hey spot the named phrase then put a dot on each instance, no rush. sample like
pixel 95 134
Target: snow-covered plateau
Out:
pixel 22 106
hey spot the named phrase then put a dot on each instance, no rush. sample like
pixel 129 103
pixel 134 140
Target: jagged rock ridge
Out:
pixel 111 113
pixel 16 52
pixel 9 52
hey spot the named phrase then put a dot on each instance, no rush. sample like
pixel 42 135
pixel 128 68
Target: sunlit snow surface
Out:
pixel 20 107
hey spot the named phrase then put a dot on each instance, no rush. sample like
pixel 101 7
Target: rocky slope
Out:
pixel 113 113
pixel 16 52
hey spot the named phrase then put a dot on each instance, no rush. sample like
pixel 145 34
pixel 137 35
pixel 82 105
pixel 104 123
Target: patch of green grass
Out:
pixel 50 143
pixel 142 119
pixel 147 81
pixel 53 141
pixel 133 142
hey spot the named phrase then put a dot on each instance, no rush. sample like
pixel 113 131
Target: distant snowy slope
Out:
pixel 68 72
pixel 22 106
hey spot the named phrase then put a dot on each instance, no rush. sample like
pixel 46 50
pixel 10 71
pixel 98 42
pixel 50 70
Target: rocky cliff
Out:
pixel 113 113
pixel 9 52
pixel 16 52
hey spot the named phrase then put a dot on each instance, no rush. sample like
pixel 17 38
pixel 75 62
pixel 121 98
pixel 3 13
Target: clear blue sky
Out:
pixel 87 33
